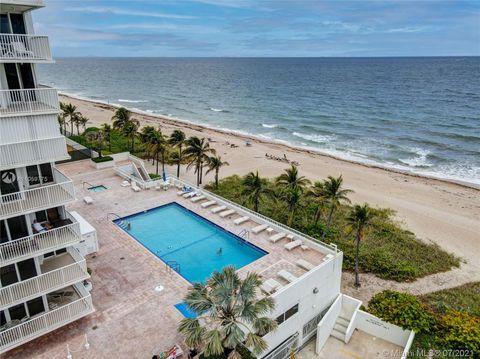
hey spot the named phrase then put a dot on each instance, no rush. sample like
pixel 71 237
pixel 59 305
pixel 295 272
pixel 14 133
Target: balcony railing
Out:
pixel 24 48
pixel 39 243
pixel 30 200
pixel 28 101
pixel 47 282
pixel 35 327
pixel 32 152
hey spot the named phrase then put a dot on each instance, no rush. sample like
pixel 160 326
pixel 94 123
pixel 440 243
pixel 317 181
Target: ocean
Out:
pixel 420 115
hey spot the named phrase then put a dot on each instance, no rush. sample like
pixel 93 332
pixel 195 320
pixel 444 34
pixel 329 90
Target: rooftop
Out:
pixel 129 312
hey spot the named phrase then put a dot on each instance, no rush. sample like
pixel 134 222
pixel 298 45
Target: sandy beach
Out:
pixel 436 211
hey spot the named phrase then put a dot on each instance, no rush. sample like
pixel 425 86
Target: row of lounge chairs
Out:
pixel 271 285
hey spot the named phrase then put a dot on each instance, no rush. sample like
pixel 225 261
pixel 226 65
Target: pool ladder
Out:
pixel 85 182
pixel 122 223
pixel 244 234
pixel 173 265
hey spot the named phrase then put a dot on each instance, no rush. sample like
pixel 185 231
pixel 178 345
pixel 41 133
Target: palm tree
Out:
pixel 157 146
pixel 177 158
pixel 359 218
pixel 214 163
pixel 130 129
pixel 82 120
pixel 292 198
pixel 62 122
pixel 317 194
pixel 335 195
pixel 107 133
pixel 71 112
pixel 231 315
pixel 148 132
pixel 177 139
pixel 197 152
pixel 291 180
pixel 120 118
pixel 255 188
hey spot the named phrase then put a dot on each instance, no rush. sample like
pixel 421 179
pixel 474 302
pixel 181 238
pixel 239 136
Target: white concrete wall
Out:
pixel 350 306
pixel 381 329
pixel 326 278
pixel 325 326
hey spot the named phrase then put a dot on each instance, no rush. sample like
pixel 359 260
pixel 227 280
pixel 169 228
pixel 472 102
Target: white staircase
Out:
pixel 340 327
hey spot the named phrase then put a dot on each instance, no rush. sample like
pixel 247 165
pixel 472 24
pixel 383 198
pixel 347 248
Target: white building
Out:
pixel 42 273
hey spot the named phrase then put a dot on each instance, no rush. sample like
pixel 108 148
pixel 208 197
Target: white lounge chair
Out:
pixel 276 237
pixel 125 184
pixel 227 213
pixel 88 200
pixel 20 50
pixel 259 228
pixel 208 204
pixel 218 209
pixel 135 188
pixel 291 236
pixel 241 220
pixel 291 245
pixel 270 285
pixel 302 263
pixel 190 194
pixel 289 277
pixel 196 199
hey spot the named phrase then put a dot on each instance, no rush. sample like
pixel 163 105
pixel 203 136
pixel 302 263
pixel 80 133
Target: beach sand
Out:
pixel 437 211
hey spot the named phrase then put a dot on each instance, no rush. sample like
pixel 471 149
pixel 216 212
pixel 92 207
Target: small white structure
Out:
pixel 89 242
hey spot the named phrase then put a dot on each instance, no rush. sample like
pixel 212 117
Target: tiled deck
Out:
pixel 132 320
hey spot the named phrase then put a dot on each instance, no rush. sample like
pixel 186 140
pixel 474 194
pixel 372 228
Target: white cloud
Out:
pixel 120 11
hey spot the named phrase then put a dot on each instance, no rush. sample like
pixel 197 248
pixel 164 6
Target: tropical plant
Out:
pixel 177 139
pixel 317 194
pixel 120 118
pixel 230 315
pixel 255 189
pixel 107 133
pixel 290 180
pixel 157 147
pixel 177 158
pixel 96 141
pixel 359 218
pixel 130 131
pixel 82 120
pixel 214 163
pixel 197 152
pixel 335 195
pixel 292 197
pixel 62 123
pixel 70 111
pixel 147 136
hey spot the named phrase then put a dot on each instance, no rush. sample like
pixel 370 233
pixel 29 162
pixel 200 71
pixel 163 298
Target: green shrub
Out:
pixel 460 331
pixel 102 159
pixel 154 175
pixel 402 309
pixel 243 351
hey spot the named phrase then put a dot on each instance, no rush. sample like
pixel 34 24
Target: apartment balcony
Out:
pixel 62 311
pixel 21 5
pixel 42 100
pixel 57 194
pixel 66 232
pixel 21 154
pixel 24 48
pixel 56 273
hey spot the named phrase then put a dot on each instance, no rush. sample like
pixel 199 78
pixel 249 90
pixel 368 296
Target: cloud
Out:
pixel 128 12
pixel 163 26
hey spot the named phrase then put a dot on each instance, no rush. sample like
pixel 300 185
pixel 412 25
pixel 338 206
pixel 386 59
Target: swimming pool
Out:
pixel 98 188
pixel 178 235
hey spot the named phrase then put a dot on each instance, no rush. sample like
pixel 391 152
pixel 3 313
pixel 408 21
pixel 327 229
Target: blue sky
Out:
pixel 260 28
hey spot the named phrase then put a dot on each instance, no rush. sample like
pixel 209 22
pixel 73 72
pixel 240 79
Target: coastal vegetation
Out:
pixel 446 321
pixel 369 238
pixel 231 318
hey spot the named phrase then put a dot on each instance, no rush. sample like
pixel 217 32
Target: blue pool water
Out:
pixel 186 312
pixel 99 188
pixel 174 233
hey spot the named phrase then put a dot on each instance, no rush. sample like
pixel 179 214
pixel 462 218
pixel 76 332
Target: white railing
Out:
pixel 35 151
pixel 59 193
pixel 331 248
pixel 45 323
pixel 46 282
pixel 26 101
pixel 24 48
pixel 36 244
pixel 33 3
pixel 285 349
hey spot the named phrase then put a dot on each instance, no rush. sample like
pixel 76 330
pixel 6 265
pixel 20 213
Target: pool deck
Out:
pixel 132 320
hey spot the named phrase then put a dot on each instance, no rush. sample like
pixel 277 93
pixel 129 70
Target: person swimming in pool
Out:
pixel 219 251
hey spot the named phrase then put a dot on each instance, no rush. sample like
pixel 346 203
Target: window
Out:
pixel 35 306
pixel 46 171
pixel 40 174
pixel 3 232
pixel 3 320
pixel 41 216
pixel 8 275
pixel 17 312
pixel 284 316
pixel 33 175
pixel 27 269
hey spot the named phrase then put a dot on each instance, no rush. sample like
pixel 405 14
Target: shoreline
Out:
pixel 177 122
